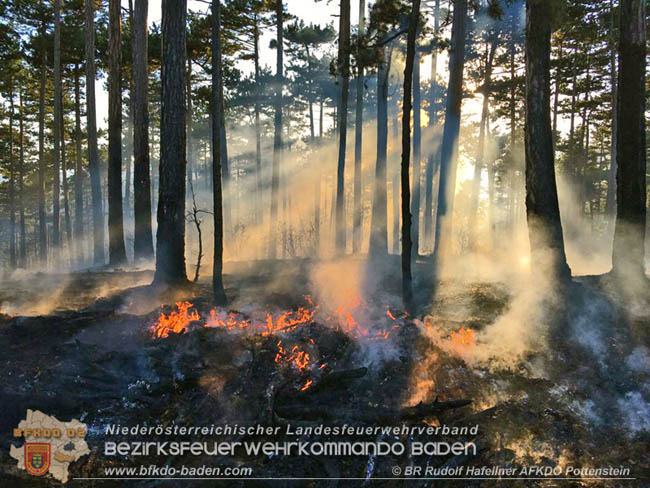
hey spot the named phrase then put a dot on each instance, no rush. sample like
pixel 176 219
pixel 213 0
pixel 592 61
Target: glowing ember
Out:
pixel 176 322
pixel 295 357
pixel 229 321
pixel 306 385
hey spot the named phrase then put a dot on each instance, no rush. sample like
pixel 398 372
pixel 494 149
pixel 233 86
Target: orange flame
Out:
pixel 296 357
pixel 463 340
pixel 343 317
pixel 176 322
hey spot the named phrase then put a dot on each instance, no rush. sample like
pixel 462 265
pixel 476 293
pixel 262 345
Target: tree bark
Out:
pixel 216 106
pixel 417 155
pixel 542 208
pixel 170 237
pixel 344 77
pixel 259 217
pixel 358 136
pixel 56 183
pixel 42 224
pixel 116 249
pixel 277 137
pixel 449 148
pixel 630 228
pixel 13 261
pixel 611 180
pixel 78 173
pixel 91 128
pixel 67 221
pixel 379 218
pixel 142 235
pixel 411 59
pixel 21 182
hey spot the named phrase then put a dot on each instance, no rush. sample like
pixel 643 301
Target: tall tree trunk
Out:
pixel 116 249
pixel 259 217
pixel 344 76
pixel 170 237
pixel 512 174
pixel 217 105
pixel 42 224
pixel 407 285
pixel 542 208
pixel 556 95
pixel 56 211
pixel 449 149
pixel 142 235
pixel 611 180
pixel 417 155
pixel 480 151
pixel 277 138
pixel 630 228
pixel 91 127
pixel 21 182
pixel 432 160
pixel 320 120
pixel 358 136
pixel 379 218
pixel 78 172
pixel 12 182
pixel 188 116
pixel 67 221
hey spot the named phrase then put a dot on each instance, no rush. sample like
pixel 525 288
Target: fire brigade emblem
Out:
pixel 37 458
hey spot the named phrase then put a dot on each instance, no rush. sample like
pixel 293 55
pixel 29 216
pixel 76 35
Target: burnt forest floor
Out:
pixel 79 345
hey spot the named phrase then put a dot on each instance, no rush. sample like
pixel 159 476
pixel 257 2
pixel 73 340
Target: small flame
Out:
pixel 306 385
pixel 463 341
pixel 176 322
pixel 295 357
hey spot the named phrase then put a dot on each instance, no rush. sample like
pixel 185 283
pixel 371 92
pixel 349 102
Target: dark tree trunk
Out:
pixel 228 201
pixel 91 127
pixel 56 157
pixel 344 76
pixel 42 224
pixel 21 183
pixel 542 209
pixel 116 249
pixel 556 95
pixel 78 172
pixel 417 165
pixel 258 127
pixel 630 227
pixel 432 160
pixel 379 218
pixel 188 122
pixel 277 138
pixel 448 151
pixel 142 235
pixel 407 285
pixel 216 106
pixel 12 182
pixel 611 179
pixel 358 137
pixel 170 237
pixel 67 221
